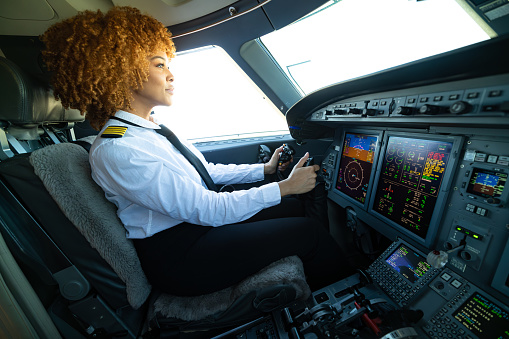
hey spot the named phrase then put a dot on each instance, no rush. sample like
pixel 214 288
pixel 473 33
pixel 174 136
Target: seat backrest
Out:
pixel 26 101
pixel 50 249
pixel 65 171
pixel 30 117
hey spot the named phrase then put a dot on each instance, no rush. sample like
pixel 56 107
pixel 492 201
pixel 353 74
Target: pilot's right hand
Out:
pixel 301 179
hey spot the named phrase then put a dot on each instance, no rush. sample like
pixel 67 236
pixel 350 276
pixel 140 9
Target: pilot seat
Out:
pixel 82 276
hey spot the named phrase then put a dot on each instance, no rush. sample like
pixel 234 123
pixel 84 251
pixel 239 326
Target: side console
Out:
pixel 400 296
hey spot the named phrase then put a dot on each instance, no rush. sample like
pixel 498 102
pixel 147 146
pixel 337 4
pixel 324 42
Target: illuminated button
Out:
pixel 495 93
pixel 503 160
pixel 423 99
pixel 446 276
pixel 492 159
pixel 469 155
pixel 480 157
pixel 456 283
pixel 490 108
pixel 477 236
pixel 472 95
pixel 454 97
pixel 438 98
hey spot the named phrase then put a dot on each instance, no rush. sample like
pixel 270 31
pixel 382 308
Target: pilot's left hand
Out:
pixel 272 165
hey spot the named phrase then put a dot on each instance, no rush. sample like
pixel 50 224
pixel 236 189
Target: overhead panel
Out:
pixel 26 10
pixel 173 12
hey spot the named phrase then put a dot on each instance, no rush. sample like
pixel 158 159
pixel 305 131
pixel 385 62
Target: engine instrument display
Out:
pixel 486 183
pixel 356 165
pixel 410 179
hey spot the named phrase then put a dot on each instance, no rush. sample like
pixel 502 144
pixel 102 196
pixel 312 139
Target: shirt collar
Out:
pixel 135 119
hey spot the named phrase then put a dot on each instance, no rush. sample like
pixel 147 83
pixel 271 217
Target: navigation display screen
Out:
pixel 356 164
pixel 410 179
pixel 484 318
pixel 409 264
pixel 486 183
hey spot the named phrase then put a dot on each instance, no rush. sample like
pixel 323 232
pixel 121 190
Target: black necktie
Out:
pixel 193 159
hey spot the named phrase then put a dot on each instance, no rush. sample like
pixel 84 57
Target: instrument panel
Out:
pixel 420 154
pixel 429 185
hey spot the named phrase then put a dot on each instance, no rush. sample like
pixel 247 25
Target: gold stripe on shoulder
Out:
pixel 114 132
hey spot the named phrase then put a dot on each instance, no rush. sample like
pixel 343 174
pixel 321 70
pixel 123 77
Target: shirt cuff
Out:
pixel 271 194
pixel 260 171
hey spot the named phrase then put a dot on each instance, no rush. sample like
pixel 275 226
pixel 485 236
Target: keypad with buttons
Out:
pixel 397 287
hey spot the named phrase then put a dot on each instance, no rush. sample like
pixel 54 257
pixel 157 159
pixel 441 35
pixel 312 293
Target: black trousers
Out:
pixel 192 260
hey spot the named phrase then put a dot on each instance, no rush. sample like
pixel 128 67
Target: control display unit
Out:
pixel 355 170
pixel 468 311
pixel 486 183
pixel 411 265
pixel 483 317
pixel 413 176
pixel 402 272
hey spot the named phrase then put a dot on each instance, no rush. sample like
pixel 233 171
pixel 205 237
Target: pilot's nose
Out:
pixel 170 77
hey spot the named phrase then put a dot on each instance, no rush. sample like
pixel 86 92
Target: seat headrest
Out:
pixel 25 101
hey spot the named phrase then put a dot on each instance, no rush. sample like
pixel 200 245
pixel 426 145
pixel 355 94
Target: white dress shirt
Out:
pixel 155 187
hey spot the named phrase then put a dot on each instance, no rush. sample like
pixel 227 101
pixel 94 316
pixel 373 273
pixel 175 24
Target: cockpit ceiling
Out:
pixel 33 17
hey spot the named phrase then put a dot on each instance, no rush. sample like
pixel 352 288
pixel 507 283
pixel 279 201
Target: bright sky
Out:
pixel 358 37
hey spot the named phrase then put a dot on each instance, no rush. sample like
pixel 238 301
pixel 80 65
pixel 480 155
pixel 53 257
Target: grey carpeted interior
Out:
pixel 65 171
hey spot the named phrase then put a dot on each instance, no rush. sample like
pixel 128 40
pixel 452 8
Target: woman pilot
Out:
pixel 190 239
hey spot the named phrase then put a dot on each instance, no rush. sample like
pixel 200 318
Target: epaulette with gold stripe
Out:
pixel 114 132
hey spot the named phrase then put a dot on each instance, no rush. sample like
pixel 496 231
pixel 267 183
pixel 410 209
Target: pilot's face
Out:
pixel 158 89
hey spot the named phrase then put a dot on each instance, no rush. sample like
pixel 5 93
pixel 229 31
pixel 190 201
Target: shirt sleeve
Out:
pixel 232 173
pixel 162 186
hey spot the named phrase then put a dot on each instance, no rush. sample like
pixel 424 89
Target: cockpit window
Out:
pixel 350 38
pixel 215 100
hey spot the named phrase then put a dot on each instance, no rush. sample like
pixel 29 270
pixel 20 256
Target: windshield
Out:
pixel 215 100
pixel 351 38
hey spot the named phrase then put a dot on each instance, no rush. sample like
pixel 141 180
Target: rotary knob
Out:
pixel 403 110
pixel 369 112
pixel 429 109
pixel 460 107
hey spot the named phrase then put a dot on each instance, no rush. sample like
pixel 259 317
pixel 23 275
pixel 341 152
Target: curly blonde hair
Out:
pixel 98 59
